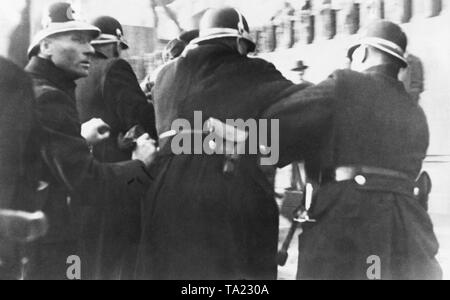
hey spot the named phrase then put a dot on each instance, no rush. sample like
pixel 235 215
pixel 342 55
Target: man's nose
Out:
pixel 89 50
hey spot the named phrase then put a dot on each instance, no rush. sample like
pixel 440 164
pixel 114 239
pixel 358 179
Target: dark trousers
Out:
pixel 50 261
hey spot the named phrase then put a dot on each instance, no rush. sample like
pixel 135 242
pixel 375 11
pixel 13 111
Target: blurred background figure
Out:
pixel 300 69
pixel 287 10
pixel 176 47
pixel 173 50
pixel 19 166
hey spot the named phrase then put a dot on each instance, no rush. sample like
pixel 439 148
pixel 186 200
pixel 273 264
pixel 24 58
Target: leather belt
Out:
pixel 223 145
pixel 346 173
pixel 373 178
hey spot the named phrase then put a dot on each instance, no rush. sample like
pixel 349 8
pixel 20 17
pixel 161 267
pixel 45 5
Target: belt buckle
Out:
pixel 303 217
pixel 344 174
pixel 350 173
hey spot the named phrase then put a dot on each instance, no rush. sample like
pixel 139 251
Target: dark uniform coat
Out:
pixel 19 155
pixel 356 119
pixel 199 223
pixel 76 178
pixel 112 93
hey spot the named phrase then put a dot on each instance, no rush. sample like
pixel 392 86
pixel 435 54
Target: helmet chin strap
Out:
pixel 241 26
pixel 241 45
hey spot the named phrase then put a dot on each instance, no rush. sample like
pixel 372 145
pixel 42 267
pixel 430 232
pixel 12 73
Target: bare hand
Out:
pixel 95 131
pixel 145 150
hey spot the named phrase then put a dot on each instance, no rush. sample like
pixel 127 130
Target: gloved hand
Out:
pixel 95 131
pixel 146 150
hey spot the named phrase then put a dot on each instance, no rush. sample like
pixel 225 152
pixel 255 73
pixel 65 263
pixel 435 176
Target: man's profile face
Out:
pixel 71 52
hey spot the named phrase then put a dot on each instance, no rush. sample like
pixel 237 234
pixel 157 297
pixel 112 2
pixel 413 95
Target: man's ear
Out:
pixel 242 46
pixel 46 48
pixel 118 50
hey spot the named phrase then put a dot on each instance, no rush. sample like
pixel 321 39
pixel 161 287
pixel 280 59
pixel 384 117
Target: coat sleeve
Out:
pixel 304 118
pixel 271 84
pixel 121 89
pixel 69 158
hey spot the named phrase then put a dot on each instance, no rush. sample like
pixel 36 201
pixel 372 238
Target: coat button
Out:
pixel 416 192
pixel 361 180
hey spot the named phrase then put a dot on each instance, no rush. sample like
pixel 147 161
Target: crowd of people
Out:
pixel 84 143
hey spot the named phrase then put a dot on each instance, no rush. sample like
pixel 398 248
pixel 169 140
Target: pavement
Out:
pixel 289 272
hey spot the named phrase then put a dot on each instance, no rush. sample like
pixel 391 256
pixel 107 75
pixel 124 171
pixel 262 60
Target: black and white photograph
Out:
pixel 218 142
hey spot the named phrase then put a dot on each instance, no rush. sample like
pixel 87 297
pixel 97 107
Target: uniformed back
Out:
pixel 377 124
pixel 221 84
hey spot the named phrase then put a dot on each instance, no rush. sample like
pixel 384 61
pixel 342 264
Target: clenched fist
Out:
pixel 146 150
pixel 95 131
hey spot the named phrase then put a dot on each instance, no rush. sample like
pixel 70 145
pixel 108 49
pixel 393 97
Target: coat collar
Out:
pixel 385 70
pixel 216 47
pixel 46 69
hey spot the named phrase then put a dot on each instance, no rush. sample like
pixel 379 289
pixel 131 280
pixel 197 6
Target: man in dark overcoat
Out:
pixel 112 93
pixel 201 223
pixel 368 139
pixel 59 55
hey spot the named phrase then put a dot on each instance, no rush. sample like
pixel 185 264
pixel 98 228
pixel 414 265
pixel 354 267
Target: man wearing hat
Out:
pixel 300 69
pixel 112 93
pixel 368 139
pixel 59 55
pixel 173 50
pixel 200 220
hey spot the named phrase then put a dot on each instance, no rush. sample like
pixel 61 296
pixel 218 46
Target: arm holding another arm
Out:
pixel 70 160
pixel 130 104
pixel 305 116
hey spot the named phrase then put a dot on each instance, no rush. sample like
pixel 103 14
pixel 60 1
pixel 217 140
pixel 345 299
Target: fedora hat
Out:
pixel 300 66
